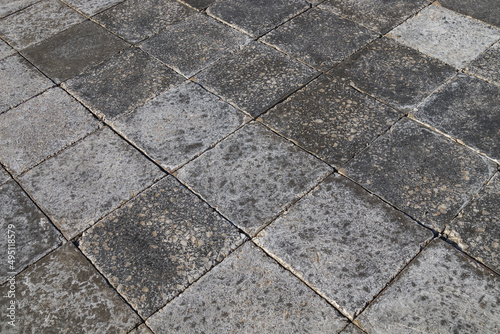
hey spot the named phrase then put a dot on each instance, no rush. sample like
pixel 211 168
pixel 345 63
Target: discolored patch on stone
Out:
pixel 5 50
pixel 247 293
pixel 331 120
pixel 4 176
pixel 484 10
pixel 142 329
pixel 352 329
pixel 198 4
pixel 420 172
pixel 88 180
pixel 10 6
pixel 487 65
pixel 442 291
pixel 92 7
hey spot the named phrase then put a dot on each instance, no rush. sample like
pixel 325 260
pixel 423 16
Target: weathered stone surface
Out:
pixel 194 43
pixel 88 180
pixel 5 50
pixel 484 10
pixel 394 73
pixel 63 293
pixel 179 124
pixel 487 65
pixel 92 7
pixel 252 175
pixel 331 120
pixel 10 6
pixel 344 242
pixel 4 176
pixel 198 4
pixel 142 329
pixel 247 293
pixel 41 127
pixel 442 291
pixel 420 172
pixel 255 78
pixel 352 329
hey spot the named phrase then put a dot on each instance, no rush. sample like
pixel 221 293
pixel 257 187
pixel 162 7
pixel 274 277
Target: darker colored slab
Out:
pixel 488 64
pixel 484 10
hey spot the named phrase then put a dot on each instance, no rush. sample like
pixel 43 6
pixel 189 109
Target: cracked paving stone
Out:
pixel 159 243
pixel 487 65
pixel 5 50
pixel 64 293
pixel 122 83
pixel 484 10
pixel 247 293
pixel 179 124
pixel 255 78
pixel 92 7
pixel 142 329
pixel 344 242
pixel 198 4
pixel 331 120
pixel 4 176
pixel 253 175
pixel 88 180
pixel 442 291
pixel 421 172
pixel 10 6
pixel 396 74
pixel 469 109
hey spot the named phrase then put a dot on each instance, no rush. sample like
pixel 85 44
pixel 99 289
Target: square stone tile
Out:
pixel 331 120
pixel 198 4
pixel 5 50
pixel 64 293
pixel 4 176
pixel 142 329
pixel 10 6
pixel 442 291
pixel 179 124
pixel 252 175
pixel 255 78
pixel 467 108
pixel 484 10
pixel 123 83
pixel 92 7
pixel 158 244
pixel 41 127
pixel 72 51
pixel 248 293
pixel 88 180
pixel 442 33
pixel 344 242
pixel 319 38
pixel 195 43
pixel 394 73
pixel 487 65
pixel 421 172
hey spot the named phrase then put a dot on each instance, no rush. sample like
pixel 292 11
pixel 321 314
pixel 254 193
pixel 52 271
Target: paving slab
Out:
pixel 10 6
pixel 5 50
pixel 88 180
pixel 487 65
pixel 198 4
pixel 142 329
pixel 41 127
pixel 330 119
pixel 352 329
pixel 92 7
pixel 255 78
pixel 247 293
pixel 4 176
pixel 422 173
pixel 253 175
pixel 442 291
pixel 179 124
pixel 484 10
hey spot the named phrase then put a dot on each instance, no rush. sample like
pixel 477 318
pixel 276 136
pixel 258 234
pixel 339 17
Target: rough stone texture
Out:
pixel 122 83
pixel 92 7
pixel 346 243
pixel 319 38
pixel 194 43
pixel 5 50
pixel 468 109
pixel 41 127
pixel 352 329
pixel 88 180
pixel 72 51
pixel 247 293
pixel 441 33
pixel 442 291
pixel 256 17
pixel 484 10
pixel 198 4
pixel 142 329
pixel 255 78
pixel 331 120
pixel 63 293
pixel 10 6
pixel 394 73
pixel 252 175
pixel 179 124
pixel 4 176
pixel 421 173
pixel 487 65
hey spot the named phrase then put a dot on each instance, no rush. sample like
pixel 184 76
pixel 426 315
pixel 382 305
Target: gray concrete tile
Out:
pixel 5 50
pixel 123 83
pixel 247 293
pixel 142 329
pixel 442 291
pixel 198 4
pixel 10 6
pixel 64 293
pixel 41 127
pixel 352 329
pixel 255 78
pixel 484 10
pixel 158 244
pixel 487 65
pixel 344 242
pixel 442 33
pixel 179 124
pixel 252 175
pixel 331 120
pixel 4 176
pixel 92 7
pixel 420 172
pixel 88 180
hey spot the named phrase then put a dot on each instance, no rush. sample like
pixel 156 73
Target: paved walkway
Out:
pixel 250 166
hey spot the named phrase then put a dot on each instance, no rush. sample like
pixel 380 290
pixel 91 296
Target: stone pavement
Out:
pixel 250 166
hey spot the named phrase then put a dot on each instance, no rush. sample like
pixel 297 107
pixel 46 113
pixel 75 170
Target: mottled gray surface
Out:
pixel 5 50
pixel 252 175
pixel 142 329
pixel 247 293
pixel 4 176
pixel 41 127
pixel 488 64
pixel 442 291
pixel 198 4
pixel 352 329
pixel 92 7
pixel 10 6
pixel 88 180
pixel 484 10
